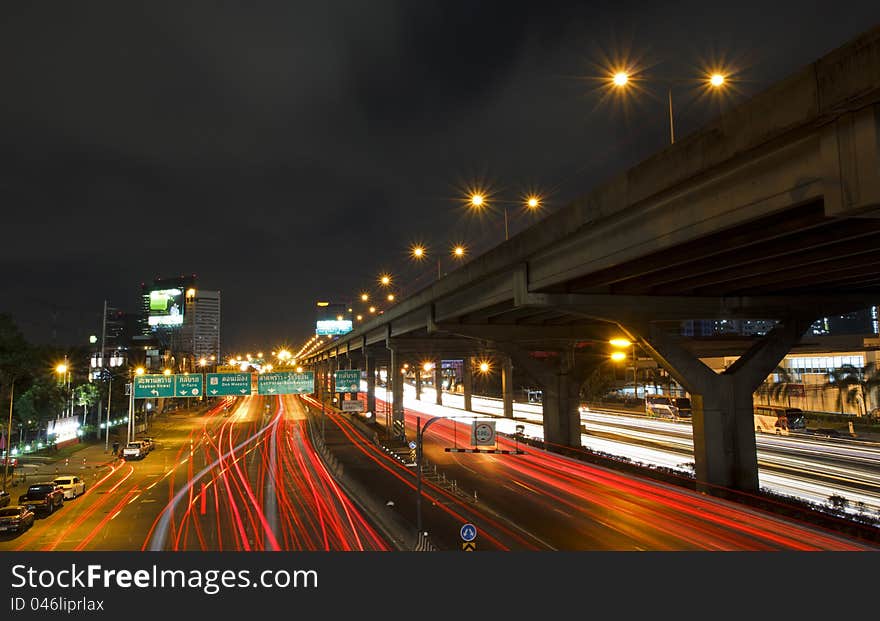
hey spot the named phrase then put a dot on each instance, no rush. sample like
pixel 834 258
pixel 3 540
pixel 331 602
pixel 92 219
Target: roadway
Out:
pixel 571 505
pixel 250 479
pixel 244 478
pixel 803 465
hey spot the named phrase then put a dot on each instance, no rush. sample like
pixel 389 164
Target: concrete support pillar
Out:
pixel 507 386
pixel 560 379
pixel 334 366
pixel 467 381
pixel 370 368
pixel 418 384
pixel 723 420
pixel 438 381
pixel 398 428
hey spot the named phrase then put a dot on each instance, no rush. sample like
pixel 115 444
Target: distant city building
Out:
pixel 200 333
pixel 859 322
pixel 163 307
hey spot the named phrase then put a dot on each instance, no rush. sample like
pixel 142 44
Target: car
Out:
pixel 43 497
pixel 5 498
pixel 134 450
pixel 12 462
pixel 16 518
pixel 72 486
pixel 149 443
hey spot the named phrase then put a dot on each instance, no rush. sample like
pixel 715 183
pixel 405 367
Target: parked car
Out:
pixel 5 498
pixel 43 497
pixel 16 518
pixel 149 443
pixel 134 450
pixel 71 486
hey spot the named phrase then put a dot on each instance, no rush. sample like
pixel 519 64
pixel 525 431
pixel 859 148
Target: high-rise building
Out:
pixel 858 322
pixel 200 333
pixel 163 307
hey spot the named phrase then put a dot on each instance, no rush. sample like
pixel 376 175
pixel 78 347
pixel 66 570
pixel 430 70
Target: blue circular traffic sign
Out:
pixel 468 532
pixel 412 444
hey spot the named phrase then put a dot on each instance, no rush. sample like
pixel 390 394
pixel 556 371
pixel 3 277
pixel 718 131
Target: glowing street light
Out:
pixel 385 280
pixel 485 367
pixel 620 342
pixel 620 79
pixel 365 297
pixel 618 356
pixel 716 80
pixel 477 199
pixel 533 202
pixel 166 372
pixel 427 366
pixel 139 371
pixel 458 251
pixel 390 297
pixel 418 252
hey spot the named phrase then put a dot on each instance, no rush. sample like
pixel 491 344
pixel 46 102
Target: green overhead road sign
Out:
pixel 153 386
pixel 228 384
pixel 286 383
pixel 347 380
pixel 186 385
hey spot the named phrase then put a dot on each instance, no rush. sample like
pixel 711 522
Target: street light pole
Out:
pixel 8 435
pixel 107 428
pixel 671 125
pixel 420 433
pixel 130 410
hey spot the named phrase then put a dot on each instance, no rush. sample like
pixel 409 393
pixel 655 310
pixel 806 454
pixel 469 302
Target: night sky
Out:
pixel 289 152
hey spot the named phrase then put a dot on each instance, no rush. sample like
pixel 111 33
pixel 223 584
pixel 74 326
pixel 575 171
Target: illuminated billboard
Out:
pixel 166 307
pixel 333 326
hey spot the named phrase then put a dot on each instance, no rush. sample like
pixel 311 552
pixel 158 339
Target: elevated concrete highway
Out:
pixel 769 212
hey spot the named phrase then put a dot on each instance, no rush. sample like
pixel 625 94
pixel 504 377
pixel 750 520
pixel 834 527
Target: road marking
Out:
pixel 524 487
pixel 568 515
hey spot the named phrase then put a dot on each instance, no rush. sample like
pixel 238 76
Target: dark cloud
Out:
pixel 289 151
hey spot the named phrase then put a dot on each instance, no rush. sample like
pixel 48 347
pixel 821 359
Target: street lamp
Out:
pixel 479 200
pixel 63 369
pixel 622 80
pixel 620 356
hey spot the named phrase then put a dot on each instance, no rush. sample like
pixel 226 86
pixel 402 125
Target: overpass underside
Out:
pixel 770 213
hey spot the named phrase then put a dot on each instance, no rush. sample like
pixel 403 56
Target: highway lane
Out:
pixel 800 465
pixel 262 487
pixel 121 499
pixel 577 506
pixel 444 510
pixel 256 483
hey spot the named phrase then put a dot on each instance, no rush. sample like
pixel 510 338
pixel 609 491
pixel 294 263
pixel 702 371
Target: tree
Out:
pixel 16 366
pixel 597 385
pixel 654 376
pixel 870 385
pixel 781 388
pixel 42 401
pixel 86 395
pixel 846 380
